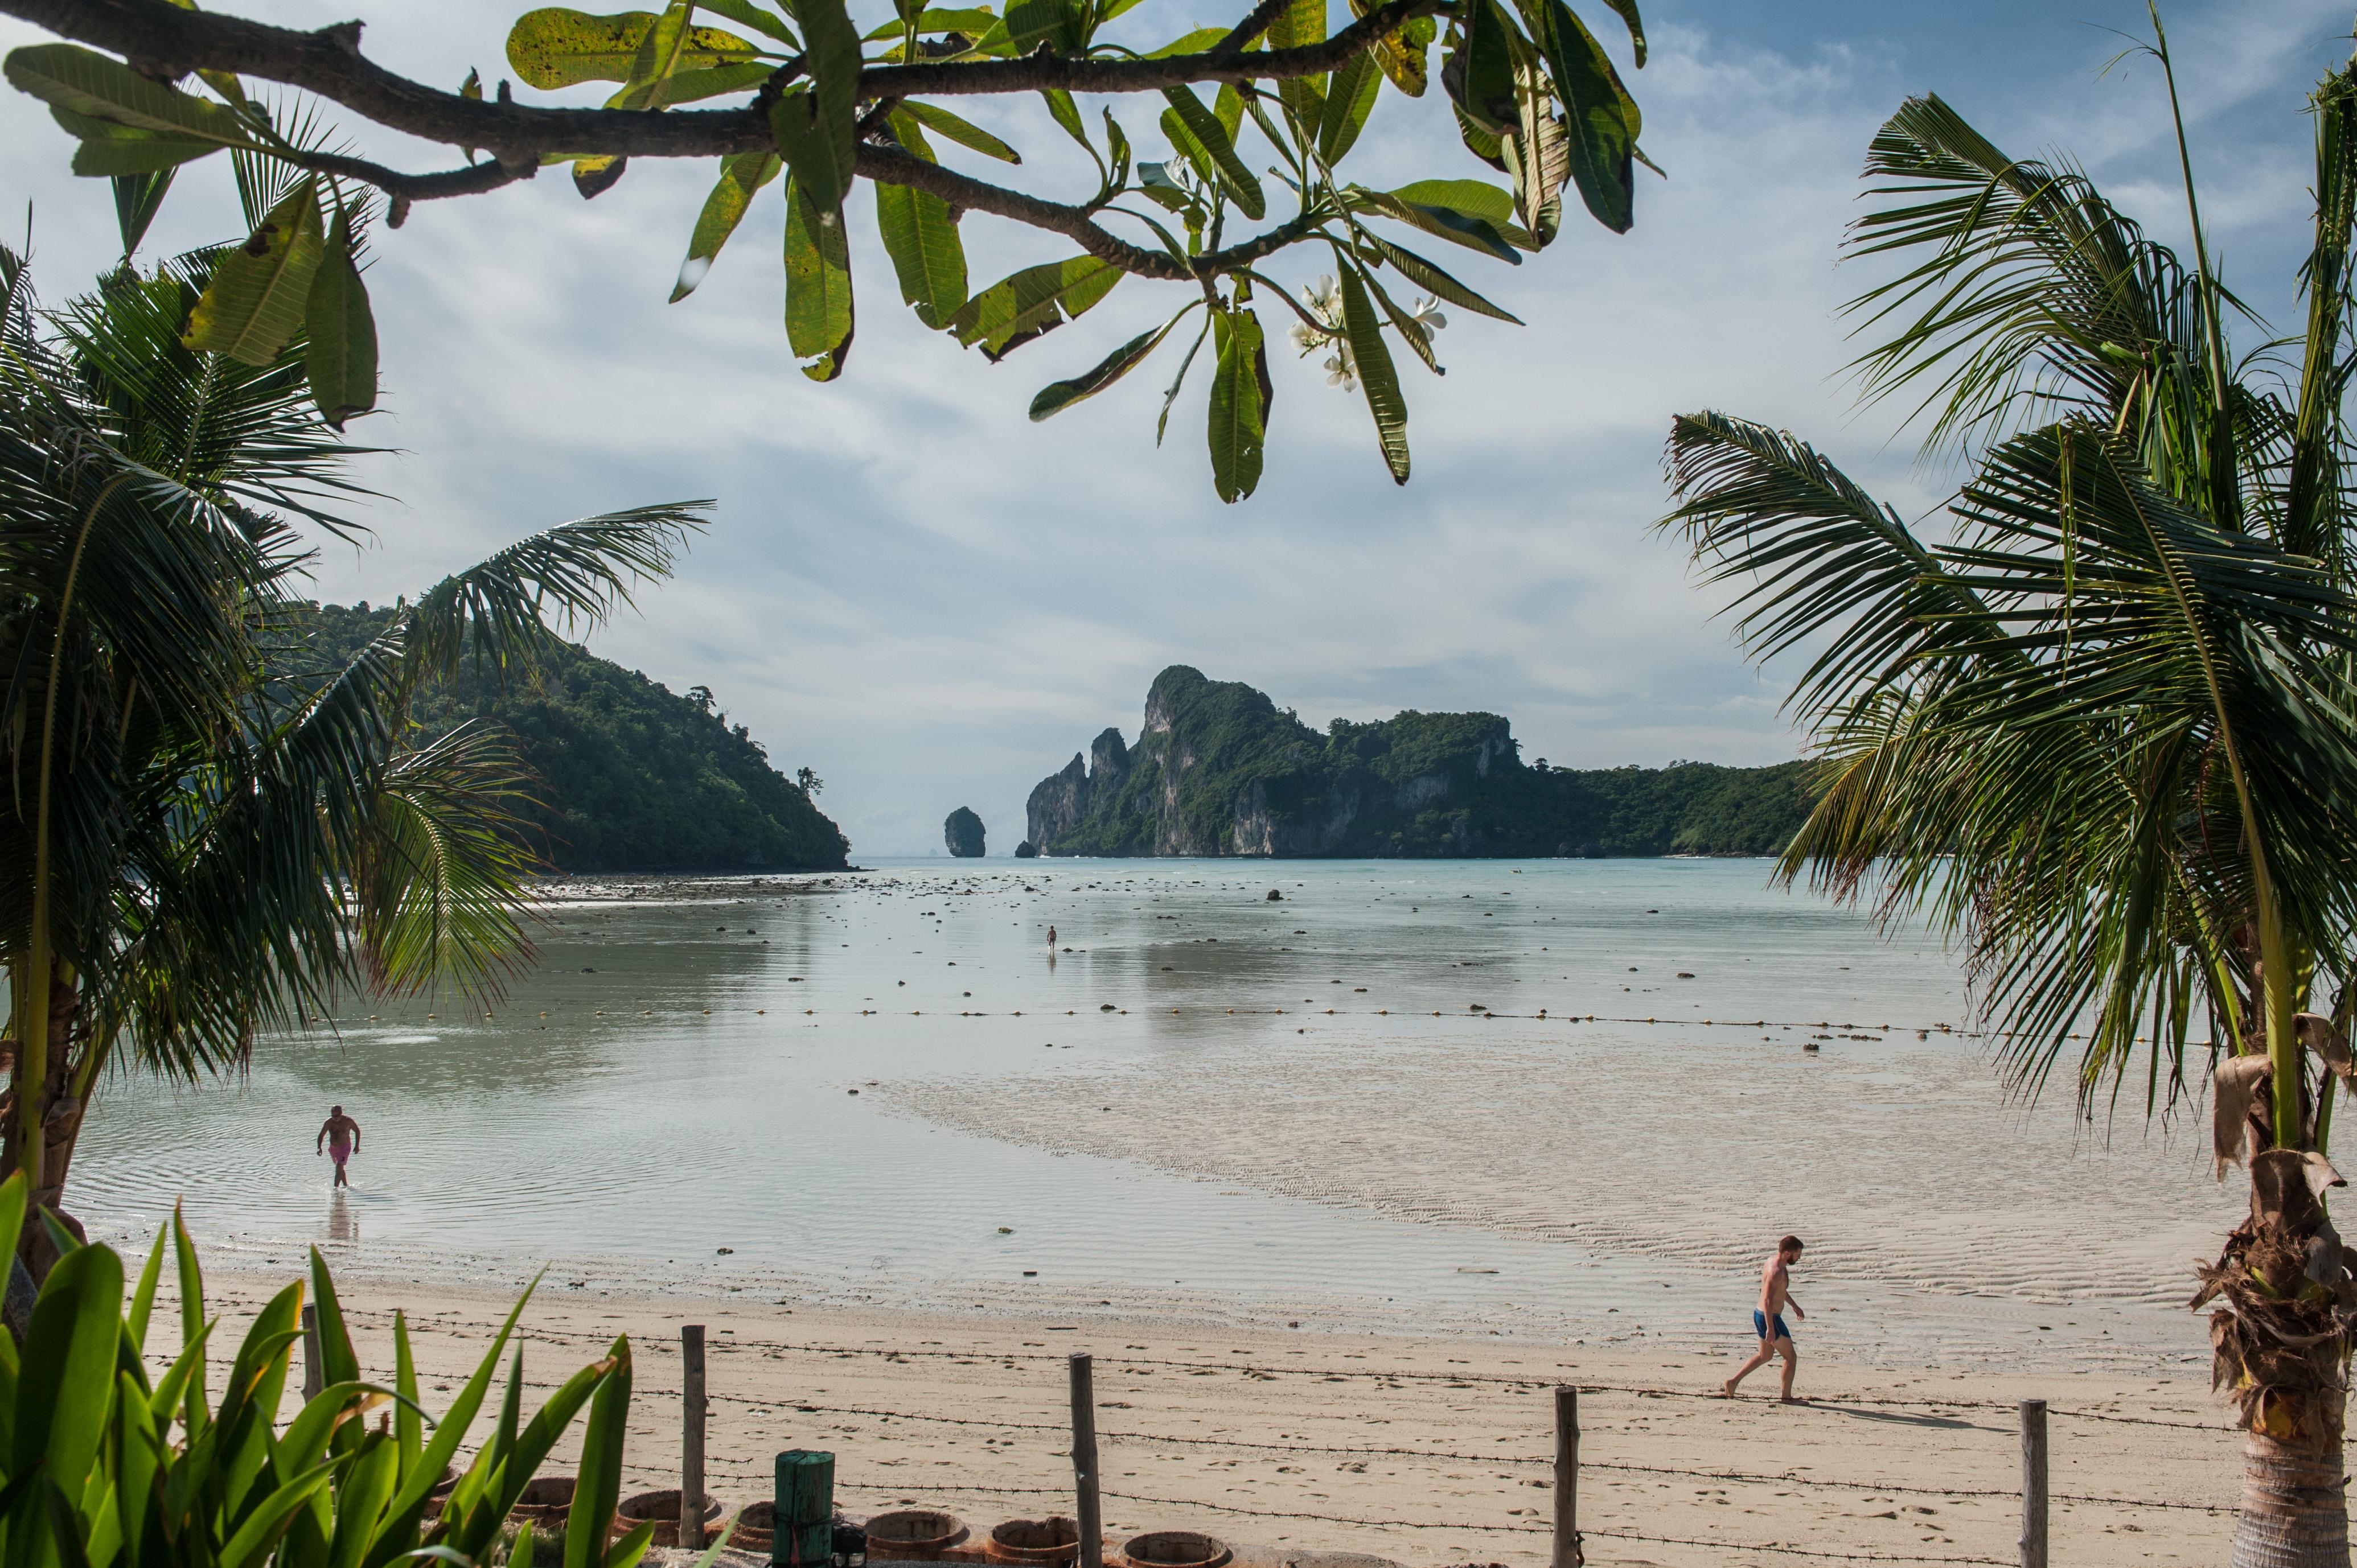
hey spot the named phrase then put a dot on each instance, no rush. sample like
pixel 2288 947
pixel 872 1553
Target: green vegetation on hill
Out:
pixel 637 777
pixel 1220 769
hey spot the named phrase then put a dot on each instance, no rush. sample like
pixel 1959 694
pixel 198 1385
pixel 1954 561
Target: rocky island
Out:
pixel 635 777
pixel 1218 770
pixel 961 830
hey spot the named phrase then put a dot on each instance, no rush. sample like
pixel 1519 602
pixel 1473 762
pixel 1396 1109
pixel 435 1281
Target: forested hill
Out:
pixel 639 778
pixel 1218 770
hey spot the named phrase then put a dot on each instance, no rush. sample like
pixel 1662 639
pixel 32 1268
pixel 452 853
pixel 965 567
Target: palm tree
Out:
pixel 2104 730
pixel 207 832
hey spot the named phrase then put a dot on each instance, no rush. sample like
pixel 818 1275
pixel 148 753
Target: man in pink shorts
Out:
pixel 340 1137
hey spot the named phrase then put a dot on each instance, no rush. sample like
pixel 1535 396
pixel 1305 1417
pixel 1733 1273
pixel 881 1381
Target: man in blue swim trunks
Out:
pixel 1768 1317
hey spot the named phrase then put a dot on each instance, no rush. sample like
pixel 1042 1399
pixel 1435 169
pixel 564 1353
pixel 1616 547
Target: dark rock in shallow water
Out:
pixel 961 830
pixel 1027 850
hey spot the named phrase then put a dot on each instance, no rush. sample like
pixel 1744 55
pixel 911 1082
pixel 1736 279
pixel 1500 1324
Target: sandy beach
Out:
pixel 1335 1189
pixel 1303 1442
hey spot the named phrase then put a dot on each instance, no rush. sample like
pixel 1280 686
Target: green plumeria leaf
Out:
pixel 593 177
pixel 554 47
pixel 1239 409
pixel 1228 109
pixel 472 91
pixel 1537 154
pixel 1636 23
pixel 1066 114
pixel 1402 53
pixel 817 127
pixel 1031 303
pixel 1208 145
pixel 1348 105
pixel 745 14
pixel 1190 43
pixel 341 358
pixel 1157 185
pixel 1162 423
pixel 740 177
pixel 1452 223
pixel 1473 198
pixel 710 81
pixel 1487 145
pixel 260 290
pixel 85 83
pixel 1056 22
pixel 1301 22
pixel 119 152
pixel 921 239
pixel 1377 376
pixel 1426 276
pixel 1413 332
pixel 1058 396
pixel 1484 86
pixel 963 133
pixel 819 319
pixel 1599 122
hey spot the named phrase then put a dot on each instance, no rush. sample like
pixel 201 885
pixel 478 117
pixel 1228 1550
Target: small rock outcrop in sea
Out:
pixel 1025 850
pixel 961 830
pixel 1220 769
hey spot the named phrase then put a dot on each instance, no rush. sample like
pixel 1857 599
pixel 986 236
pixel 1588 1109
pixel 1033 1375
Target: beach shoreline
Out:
pixel 1424 1449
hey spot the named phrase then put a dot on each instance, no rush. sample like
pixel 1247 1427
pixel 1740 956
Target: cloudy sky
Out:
pixel 933 602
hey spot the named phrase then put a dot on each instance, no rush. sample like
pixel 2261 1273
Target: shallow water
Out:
pixel 1167 1118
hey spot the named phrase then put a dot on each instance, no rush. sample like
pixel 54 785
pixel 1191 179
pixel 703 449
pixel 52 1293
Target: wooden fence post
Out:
pixel 2033 1484
pixel 691 1435
pixel 801 1532
pixel 314 1375
pixel 1084 1461
pixel 1567 1553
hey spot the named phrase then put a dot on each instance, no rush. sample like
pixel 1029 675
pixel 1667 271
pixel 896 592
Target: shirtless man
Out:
pixel 1768 1317
pixel 340 1137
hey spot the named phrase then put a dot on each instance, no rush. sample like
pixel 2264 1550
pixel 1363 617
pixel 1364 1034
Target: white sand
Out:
pixel 1900 1163
pixel 1296 1393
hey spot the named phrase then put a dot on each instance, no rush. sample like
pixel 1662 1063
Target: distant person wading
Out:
pixel 339 1139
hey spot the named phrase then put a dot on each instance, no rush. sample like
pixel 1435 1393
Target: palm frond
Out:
pixel 503 610
pixel 2034 296
pixel 439 887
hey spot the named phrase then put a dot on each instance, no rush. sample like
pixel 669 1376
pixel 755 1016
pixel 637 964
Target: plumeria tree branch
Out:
pixel 829 103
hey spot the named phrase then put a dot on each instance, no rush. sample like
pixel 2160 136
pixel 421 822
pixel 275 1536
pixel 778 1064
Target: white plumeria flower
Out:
pixel 1306 338
pixel 1427 314
pixel 1325 300
pixel 1341 369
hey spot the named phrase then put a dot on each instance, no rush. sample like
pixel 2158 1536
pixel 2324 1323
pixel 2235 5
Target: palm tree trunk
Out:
pixel 70 1113
pixel 2294 1514
pixel 2282 1341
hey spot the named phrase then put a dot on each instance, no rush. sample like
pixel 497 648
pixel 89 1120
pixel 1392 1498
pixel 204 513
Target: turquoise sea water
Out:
pixel 1167 1118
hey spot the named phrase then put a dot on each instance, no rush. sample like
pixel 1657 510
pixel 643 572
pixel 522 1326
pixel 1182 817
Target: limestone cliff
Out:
pixel 1218 769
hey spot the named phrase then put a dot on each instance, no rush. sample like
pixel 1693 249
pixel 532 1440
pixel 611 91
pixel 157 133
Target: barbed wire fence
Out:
pixel 1568 1536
